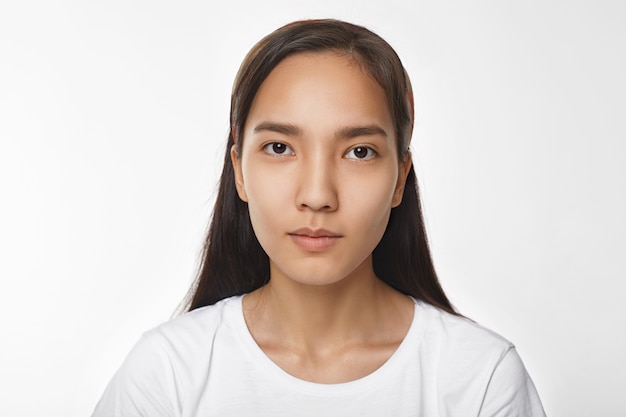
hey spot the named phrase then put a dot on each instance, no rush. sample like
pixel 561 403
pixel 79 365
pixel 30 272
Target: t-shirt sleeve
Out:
pixel 143 386
pixel 511 392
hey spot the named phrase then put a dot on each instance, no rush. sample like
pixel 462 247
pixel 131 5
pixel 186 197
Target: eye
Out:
pixel 277 148
pixel 361 152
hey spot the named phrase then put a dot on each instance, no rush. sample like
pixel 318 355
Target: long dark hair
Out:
pixel 233 261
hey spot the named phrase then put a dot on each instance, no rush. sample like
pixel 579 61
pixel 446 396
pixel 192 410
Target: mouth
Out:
pixel 314 240
pixel 305 231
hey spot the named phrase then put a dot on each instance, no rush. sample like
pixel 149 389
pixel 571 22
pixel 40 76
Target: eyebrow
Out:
pixel 348 132
pixel 357 131
pixel 285 129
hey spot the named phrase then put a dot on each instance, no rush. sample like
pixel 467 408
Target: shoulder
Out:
pixel 475 366
pixel 457 332
pixel 166 364
pixel 463 354
pixel 196 326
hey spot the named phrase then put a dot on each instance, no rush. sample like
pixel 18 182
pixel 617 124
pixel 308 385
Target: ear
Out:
pixel 236 161
pixel 403 173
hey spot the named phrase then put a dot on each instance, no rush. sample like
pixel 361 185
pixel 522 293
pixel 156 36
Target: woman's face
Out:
pixel 319 168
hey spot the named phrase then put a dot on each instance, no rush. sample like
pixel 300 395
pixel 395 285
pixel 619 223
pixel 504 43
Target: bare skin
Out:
pixel 329 334
pixel 319 158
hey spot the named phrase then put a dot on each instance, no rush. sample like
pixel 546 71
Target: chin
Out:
pixel 318 278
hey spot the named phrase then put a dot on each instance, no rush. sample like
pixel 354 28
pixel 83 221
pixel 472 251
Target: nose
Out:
pixel 317 189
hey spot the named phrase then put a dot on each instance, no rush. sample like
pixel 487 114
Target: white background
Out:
pixel 113 118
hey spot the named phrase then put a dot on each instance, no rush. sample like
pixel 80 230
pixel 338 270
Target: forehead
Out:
pixel 320 89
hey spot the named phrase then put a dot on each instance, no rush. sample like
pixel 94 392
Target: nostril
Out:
pixel 319 203
pixel 316 188
pixel 318 207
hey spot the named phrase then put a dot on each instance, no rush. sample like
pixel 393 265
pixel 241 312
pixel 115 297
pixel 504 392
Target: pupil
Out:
pixel 360 152
pixel 278 147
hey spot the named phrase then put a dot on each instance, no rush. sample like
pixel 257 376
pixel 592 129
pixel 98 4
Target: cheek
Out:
pixel 267 195
pixel 371 197
pixel 377 185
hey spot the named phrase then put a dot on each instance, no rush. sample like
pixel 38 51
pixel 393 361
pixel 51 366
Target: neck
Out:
pixel 315 318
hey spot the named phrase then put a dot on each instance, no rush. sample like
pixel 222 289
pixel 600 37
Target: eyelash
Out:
pixel 270 148
pixel 371 153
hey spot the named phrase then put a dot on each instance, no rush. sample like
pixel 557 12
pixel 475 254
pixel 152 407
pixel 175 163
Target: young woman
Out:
pixel 317 295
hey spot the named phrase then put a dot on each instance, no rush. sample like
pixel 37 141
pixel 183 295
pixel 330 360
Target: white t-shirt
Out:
pixel 206 363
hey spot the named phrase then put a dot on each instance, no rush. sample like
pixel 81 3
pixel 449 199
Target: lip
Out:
pixel 314 240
